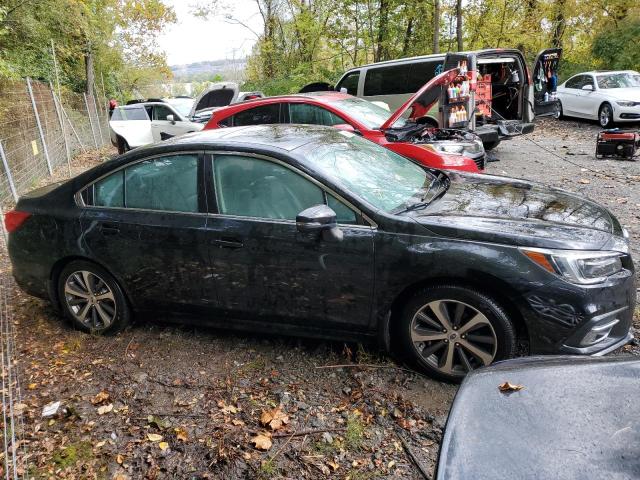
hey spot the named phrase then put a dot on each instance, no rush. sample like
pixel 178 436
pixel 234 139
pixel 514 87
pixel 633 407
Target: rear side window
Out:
pixel 166 183
pixel 262 115
pixel 420 73
pixel 136 113
pixel 390 80
pixel 312 115
pixel 350 82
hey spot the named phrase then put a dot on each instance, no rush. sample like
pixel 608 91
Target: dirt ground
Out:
pixel 160 401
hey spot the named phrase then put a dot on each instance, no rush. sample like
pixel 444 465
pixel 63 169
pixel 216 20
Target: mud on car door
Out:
pixel 545 83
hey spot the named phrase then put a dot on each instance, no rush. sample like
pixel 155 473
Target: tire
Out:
pixel 101 309
pixel 123 146
pixel 490 145
pixel 605 115
pixel 494 336
pixel 559 115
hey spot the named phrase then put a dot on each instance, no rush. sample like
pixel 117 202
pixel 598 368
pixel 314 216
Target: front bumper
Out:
pixel 581 319
pixel 626 114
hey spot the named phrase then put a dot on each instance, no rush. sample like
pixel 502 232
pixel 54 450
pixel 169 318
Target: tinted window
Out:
pixel 258 115
pixel 137 113
pixel 160 112
pixel 420 73
pixel 252 187
pixel 350 82
pixel 109 191
pixel 166 183
pixel 387 80
pixel 575 82
pixel 312 115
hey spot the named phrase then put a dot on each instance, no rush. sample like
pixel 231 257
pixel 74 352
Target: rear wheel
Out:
pixel 605 116
pixel 448 331
pixel 92 299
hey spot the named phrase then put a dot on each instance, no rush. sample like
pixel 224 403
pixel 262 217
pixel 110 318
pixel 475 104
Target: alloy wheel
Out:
pixel 90 300
pixel 605 115
pixel 453 337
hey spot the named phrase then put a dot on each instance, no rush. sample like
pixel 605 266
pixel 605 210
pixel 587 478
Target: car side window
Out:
pixel 262 115
pixel 160 112
pixel 350 82
pixel 344 214
pixel 575 82
pixel 166 183
pixel 391 80
pixel 312 115
pixel 252 187
pixel 588 80
pixel 420 73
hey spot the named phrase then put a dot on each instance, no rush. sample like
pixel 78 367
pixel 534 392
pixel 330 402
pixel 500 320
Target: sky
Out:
pixel 192 39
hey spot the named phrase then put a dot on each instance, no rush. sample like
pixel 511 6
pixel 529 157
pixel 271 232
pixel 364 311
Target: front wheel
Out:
pixel 448 331
pixel 92 299
pixel 605 116
pixel 123 146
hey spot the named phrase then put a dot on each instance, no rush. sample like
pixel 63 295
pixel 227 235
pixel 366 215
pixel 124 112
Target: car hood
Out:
pixel 631 93
pixel 428 95
pixel 517 212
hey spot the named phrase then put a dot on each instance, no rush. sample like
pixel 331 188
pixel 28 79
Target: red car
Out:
pixel 404 134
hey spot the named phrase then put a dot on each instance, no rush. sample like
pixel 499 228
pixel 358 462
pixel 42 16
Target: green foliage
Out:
pixel 617 48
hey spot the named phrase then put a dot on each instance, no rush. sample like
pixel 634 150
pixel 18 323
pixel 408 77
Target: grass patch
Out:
pixel 73 453
pixel 268 469
pixel 354 434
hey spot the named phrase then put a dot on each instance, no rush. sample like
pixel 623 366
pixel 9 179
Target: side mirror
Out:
pixel 171 119
pixel 322 219
pixel 588 88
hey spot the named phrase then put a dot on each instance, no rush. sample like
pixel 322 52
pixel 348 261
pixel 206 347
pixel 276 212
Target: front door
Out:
pixel 163 128
pixel 267 270
pixel 145 223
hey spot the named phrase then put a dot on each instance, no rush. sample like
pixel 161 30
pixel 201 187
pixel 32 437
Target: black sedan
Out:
pixel 314 231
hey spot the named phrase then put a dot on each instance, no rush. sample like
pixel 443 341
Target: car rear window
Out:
pixel 136 113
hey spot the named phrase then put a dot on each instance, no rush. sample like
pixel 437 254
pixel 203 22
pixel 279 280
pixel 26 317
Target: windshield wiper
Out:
pixel 424 203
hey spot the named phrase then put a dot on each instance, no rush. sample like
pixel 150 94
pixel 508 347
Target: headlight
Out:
pixel 582 267
pixel 627 103
pixel 458 148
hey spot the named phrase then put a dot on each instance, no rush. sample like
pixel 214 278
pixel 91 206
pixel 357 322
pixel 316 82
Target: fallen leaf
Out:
pixel 275 418
pixel 163 446
pixel 101 397
pixel 262 441
pixel 509 387
pixel 334 466
pixel 584 181
pixel 237 422
pixel 100 444
pixel 181 434
pixel 32 386
pixel 154 437
pixel 119 459
pixel 105 409
pixel 227 408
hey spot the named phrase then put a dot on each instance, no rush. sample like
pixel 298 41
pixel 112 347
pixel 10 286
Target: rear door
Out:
pixel 133 124
pixel 145 223
pixel 545 81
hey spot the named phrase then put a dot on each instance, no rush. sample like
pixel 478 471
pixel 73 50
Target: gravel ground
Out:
pixel 158 401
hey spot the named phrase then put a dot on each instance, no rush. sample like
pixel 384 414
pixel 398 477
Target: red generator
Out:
pixel 617 143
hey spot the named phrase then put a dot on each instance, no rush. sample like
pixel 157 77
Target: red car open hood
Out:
pixel 424 98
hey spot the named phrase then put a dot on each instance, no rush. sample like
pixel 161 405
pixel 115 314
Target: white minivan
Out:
pixel 513 96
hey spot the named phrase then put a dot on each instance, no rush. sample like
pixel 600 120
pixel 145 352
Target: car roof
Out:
pixel 604 72
pixel 285 137
pixel 319 96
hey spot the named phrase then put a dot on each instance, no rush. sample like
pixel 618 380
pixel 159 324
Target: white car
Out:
pixel 608 97
pixel 142 123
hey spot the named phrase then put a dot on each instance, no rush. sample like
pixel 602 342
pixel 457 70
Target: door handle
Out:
pixel 109 228
pixel 227 243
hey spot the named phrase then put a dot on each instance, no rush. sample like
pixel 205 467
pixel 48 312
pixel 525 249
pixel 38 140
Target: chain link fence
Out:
pixel 40 133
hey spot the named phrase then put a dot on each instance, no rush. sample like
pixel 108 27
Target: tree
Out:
pixel 459 25
pixel 436 26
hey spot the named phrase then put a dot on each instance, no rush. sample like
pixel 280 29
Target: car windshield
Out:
pixel 369 114
pixel 384 179
pixel 182 105
pixel 618 80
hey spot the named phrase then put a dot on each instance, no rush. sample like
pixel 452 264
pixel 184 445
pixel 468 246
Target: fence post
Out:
pixel 61 122
pixel 44 143
pixel 95 107
pixel 86 102
pixel 12 186
pixel 75 133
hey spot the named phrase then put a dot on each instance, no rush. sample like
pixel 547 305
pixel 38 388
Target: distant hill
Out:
pixel 201 71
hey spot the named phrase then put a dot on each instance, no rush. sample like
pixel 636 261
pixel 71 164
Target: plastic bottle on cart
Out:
pixel 546 96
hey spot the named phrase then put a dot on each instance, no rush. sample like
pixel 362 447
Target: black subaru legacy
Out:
pixel 313 231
